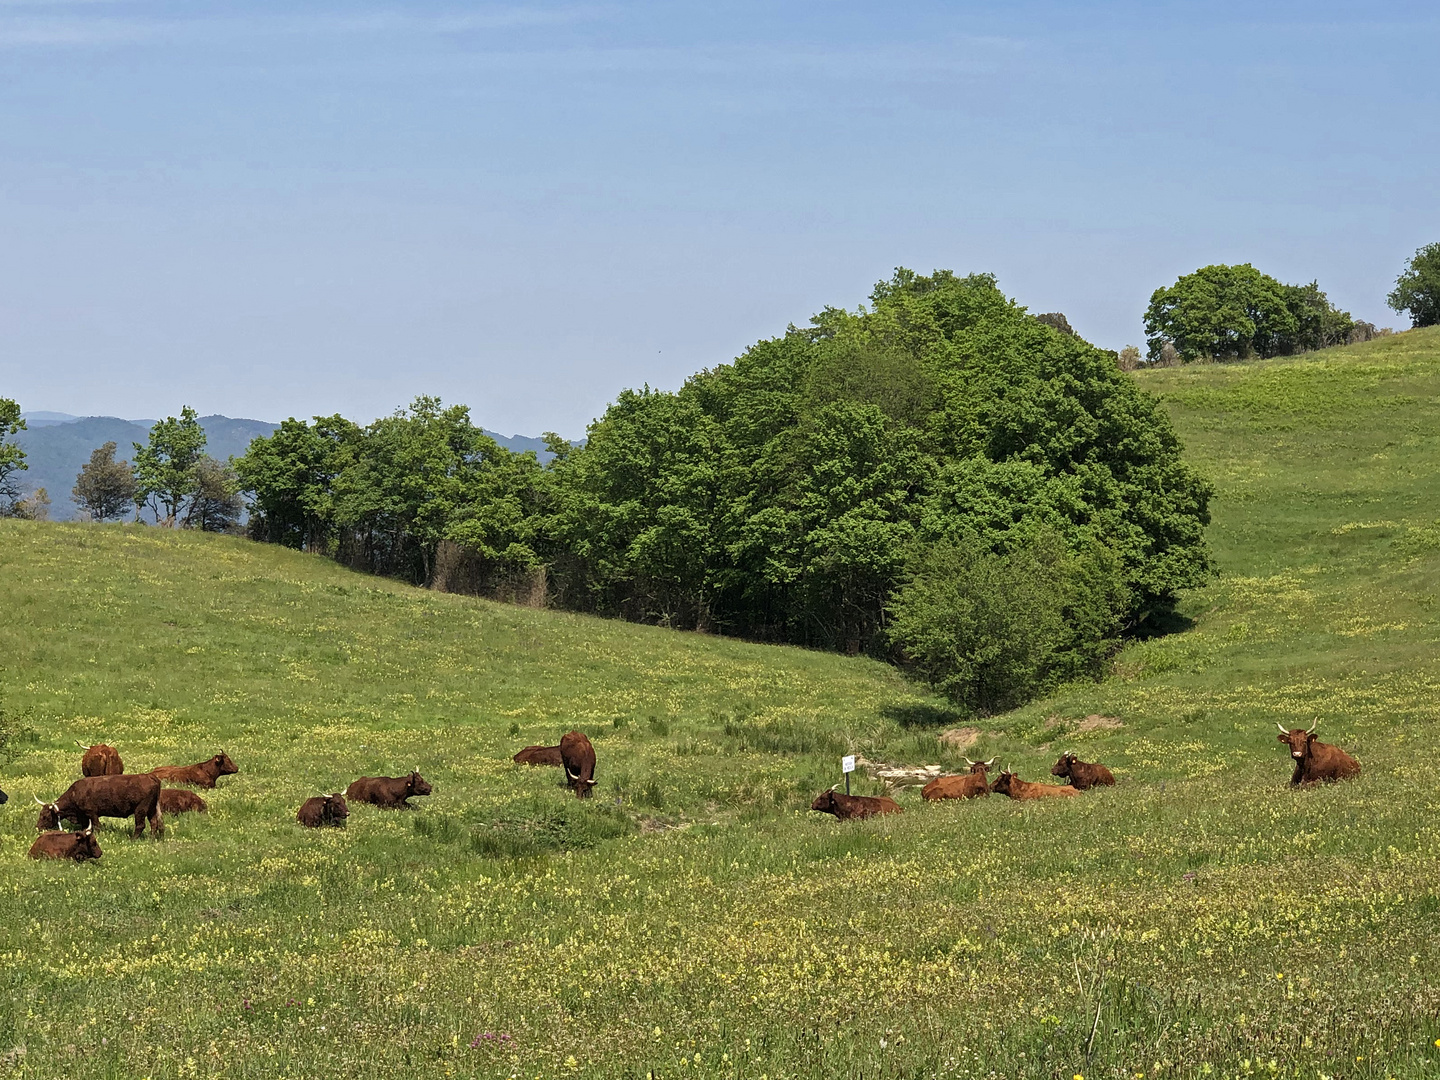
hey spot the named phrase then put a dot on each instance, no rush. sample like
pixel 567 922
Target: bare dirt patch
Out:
pixel 959 739
pixel 1096 722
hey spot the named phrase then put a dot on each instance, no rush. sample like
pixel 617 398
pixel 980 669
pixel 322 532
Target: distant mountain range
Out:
pixel 57 445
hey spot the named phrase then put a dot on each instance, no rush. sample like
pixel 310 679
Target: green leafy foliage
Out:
pixel 12 458
pixel 165 467
pixel 1234 312
pixel 1417 290
pixel 105 488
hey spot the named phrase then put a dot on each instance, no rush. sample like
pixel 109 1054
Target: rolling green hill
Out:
pixel 694 919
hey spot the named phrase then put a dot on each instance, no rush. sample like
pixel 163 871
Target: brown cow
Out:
pixel 1007 783
pixel 100 760
pixel 320 811
pixel 202 775
pixel 578 757
pixel 1316 761
pixel 389 792
pixel 78 846
pixel 970 786
pixel 539 755
pixel 1083 774
pixel 847 807
pixel 89 799
pixel 175 801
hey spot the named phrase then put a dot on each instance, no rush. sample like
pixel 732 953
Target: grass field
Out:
pixel 694 919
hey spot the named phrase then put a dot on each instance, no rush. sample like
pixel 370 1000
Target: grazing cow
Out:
pixel 202 775
pixel 320 811
pixel 578 757
pixel 970 786
pixel 847 807
pixel 389 792
pixel 1007 783
pixel 89 799
pixel 1083 774
pixel 1316 761
pixel 78 846
pixel 539 755
pixel 175 801
pixel 100 760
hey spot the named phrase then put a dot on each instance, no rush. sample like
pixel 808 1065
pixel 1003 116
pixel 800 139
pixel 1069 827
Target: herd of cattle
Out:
pixel 106 790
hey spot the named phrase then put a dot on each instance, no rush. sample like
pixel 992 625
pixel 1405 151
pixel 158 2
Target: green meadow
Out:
pixel 695 919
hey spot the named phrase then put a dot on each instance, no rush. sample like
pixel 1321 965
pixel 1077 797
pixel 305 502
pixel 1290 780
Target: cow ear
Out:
pixel 1310 737
pixel 1282 738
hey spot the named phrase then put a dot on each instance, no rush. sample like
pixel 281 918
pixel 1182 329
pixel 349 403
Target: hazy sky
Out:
pixel 268 209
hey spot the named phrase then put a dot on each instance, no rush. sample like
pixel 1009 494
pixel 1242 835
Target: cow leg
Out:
pixel 139 823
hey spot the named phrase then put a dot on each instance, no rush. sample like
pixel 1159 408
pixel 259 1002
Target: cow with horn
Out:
pixel 971 785
pixel 1316 761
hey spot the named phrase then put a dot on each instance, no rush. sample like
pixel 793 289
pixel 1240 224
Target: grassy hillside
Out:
pixel 694 918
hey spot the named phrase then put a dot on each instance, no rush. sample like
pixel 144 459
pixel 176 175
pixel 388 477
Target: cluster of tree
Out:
pixel 171 474
pixel 1236 312
pixel 941 479
pixel 1417 290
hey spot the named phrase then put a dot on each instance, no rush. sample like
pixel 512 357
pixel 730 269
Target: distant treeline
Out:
pixel 941 479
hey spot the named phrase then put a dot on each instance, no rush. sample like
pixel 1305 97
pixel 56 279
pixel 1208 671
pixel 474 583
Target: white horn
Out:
pixel 990 762
pixel 1311 729
pixel 1282 728
pixel 969 762
pixel 81 745
pixel 37 799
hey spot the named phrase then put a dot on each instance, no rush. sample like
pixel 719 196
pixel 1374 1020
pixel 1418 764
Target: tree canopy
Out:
pixel 165 465
pixel 1417 290
pixel 105 488
pixel 12 458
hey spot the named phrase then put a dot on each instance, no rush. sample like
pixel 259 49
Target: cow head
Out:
pixel 86 846
pixel 222 762
pixel 49 817
pixel 1299 740
pixel 416 784
pixel 1065 764
pixel 825 802
pixel 1002 783
pixel 978 768
pixel 336 809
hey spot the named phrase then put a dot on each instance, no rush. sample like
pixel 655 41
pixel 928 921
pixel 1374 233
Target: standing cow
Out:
pixel 970 786
pixel 89 799
pixel 848 807
pixel 1083 775
pixel 100 760
pixel 578 757
pixel 388 792
pixel 77 846
pixel 1007 783
pixel 322 811
pixel 1316 761
pixel 202 775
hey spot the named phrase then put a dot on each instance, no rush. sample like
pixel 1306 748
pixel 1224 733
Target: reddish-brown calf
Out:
pixel 1007 783
pixel 175 801
pixel 78 846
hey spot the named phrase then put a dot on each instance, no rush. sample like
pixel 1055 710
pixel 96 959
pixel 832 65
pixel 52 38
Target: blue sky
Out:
pixel 268 209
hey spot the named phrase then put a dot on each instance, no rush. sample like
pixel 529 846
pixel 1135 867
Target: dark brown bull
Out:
pixel 578 757
pixel 175 801
pixel 100 760
pixel 1007 783
pixel 77 846
pixel 321 811
pixel 389 792
pixel 89 799
pixel 848 807
pixel 970 786
pixel 539 755
pixel 1083 774
pixel 202 775
pixel 1316 761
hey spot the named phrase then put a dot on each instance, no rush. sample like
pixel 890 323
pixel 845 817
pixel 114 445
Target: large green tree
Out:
pixel 12 458
pixel 1417 290
pixel 165 465
pixel 105 488
pixel 290 476
pixel 1220 312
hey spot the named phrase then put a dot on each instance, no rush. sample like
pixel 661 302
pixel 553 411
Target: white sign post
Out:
pixel 847 766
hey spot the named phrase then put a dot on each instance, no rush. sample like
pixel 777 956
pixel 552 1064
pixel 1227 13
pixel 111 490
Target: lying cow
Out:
pixel 848 807
pixel 970 786
pixel 202 775
pixel 175 801
pixel 1007 783
pixel 389 792
pixel 77 846
pixel 578 757
pixel 539 755
pixel 1316 761
pixel 89 799
pixel 100 760
pixel 1083 774
pixel 322 811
